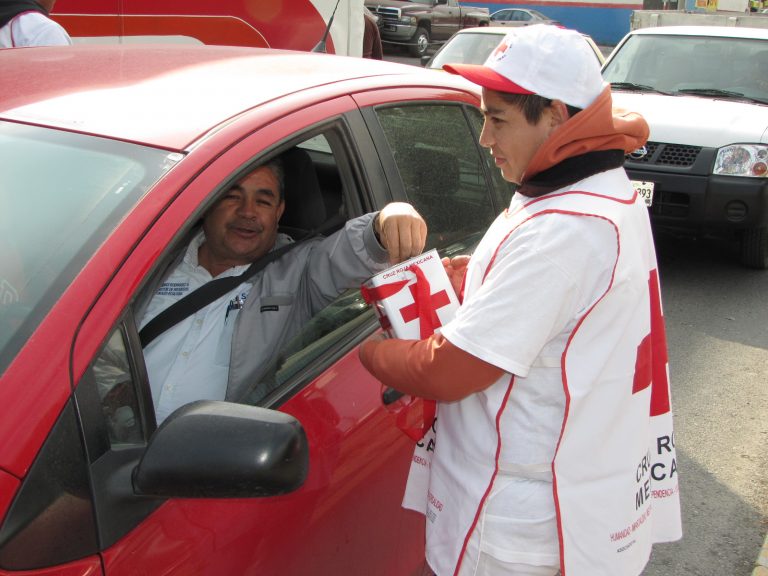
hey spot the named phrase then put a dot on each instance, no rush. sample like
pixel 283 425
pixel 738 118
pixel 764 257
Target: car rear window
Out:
pixel 61 194
pixel 467 48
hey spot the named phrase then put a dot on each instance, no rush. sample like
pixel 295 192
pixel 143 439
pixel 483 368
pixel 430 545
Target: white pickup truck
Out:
pixel 704 92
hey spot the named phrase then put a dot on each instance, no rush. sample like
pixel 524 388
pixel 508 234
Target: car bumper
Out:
pixel 685 201
pixel 397 32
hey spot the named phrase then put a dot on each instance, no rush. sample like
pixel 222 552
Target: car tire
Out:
pixel 419 43
pixel 754 248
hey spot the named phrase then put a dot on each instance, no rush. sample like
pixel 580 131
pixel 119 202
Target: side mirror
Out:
pixel 210 449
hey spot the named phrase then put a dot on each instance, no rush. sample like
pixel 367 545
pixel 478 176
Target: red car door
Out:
pixel 346 518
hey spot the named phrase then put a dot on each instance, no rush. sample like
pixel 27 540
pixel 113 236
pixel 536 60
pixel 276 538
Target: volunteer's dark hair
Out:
pixel 533 105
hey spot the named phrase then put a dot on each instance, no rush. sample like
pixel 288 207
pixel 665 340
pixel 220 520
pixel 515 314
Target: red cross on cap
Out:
pixel 502 47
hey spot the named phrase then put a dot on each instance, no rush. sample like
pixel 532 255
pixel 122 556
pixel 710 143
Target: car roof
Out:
pixel 724 31
pixel 164 95
pixel 485 30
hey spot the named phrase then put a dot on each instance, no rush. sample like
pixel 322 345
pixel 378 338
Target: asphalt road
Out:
pixel 717 328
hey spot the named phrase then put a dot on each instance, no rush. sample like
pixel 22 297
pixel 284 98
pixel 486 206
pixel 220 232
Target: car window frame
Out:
pixel 113 463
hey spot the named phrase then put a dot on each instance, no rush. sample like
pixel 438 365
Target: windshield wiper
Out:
pixel 718 92
pixel 636 87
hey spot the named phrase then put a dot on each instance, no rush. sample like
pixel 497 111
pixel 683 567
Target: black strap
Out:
pixel 203 296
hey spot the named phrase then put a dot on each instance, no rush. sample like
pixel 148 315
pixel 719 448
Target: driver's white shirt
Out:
pixel 198 345
pixel 33 29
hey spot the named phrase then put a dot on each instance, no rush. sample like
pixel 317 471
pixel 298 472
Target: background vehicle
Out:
pixel 474 45
pixel 298 25
pixel 704 93
pixel 418 24
pixel 520 17
pixel 691 13
pixel 110 156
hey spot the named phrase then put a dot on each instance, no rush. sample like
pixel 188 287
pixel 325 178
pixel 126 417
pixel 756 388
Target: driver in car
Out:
pixel 219 351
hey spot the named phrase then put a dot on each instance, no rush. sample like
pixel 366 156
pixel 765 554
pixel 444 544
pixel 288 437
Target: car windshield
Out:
pixel 61 195
pixel 469 48
pixel 706 66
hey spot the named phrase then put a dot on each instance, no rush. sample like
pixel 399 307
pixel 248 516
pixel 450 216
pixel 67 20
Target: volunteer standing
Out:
pixel 554 432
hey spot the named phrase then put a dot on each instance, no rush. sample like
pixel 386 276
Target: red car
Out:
pixel 110 154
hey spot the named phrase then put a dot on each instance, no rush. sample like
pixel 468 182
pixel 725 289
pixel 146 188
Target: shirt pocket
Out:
pixel 275 304
pixel 224 345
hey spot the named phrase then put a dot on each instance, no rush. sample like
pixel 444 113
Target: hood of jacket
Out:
pixel 592 141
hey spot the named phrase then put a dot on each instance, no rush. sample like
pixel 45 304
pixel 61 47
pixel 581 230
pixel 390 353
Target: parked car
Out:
pixel 419 24
pixel 704 92
pixel 111 154
pixel 520 17
pixel 474 45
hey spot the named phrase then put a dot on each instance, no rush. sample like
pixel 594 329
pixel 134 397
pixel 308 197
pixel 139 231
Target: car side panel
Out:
pixel 346 519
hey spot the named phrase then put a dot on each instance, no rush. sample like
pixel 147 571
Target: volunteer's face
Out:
pixel 510 138
pixel 242 226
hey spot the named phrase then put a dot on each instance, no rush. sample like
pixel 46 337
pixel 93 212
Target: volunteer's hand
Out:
pixel 401 230
pixel 456 268
pixel 367 347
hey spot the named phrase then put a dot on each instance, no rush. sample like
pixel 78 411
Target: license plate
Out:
pixel 644 189
pixel 390 27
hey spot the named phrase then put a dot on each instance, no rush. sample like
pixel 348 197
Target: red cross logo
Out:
pixel 651 361
pixel 501 48
pixel 436 301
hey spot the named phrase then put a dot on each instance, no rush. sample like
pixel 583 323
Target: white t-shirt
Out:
pixel 33 29
pixel 191 361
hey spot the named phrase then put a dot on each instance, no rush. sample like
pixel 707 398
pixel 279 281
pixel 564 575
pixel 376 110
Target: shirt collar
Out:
pixel 190 257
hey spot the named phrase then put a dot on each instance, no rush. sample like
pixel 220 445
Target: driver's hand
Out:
pixel 401 230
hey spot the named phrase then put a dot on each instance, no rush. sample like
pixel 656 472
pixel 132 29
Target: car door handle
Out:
pixel 391 395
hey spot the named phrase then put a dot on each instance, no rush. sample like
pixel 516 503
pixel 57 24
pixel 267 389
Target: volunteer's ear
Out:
pixel 401 230
pixel 560 112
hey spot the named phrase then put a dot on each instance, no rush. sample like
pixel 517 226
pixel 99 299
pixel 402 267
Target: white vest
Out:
pixel 614 473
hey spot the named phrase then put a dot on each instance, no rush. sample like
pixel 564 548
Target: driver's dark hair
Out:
pixel 533 105
pixel 276 165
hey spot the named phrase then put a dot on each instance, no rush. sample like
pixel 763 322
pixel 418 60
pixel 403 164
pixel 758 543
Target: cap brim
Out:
pixel 485 77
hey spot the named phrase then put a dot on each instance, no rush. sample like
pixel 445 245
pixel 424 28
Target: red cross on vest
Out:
pixel 651 361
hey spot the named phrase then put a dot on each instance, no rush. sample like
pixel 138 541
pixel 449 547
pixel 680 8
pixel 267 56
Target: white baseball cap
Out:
pixel 542 59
